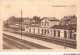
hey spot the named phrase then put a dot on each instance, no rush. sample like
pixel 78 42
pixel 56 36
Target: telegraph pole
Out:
pixel 21 23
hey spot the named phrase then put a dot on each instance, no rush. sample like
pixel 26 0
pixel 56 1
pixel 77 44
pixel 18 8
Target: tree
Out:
pixel 37 19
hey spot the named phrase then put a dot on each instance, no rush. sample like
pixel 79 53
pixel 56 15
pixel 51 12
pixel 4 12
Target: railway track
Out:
pixel 62 42
pixel 22 44
pixel 53 40
pixel 15 44
pixel 5 47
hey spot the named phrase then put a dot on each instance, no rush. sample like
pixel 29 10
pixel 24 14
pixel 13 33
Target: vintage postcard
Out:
pixel 39 26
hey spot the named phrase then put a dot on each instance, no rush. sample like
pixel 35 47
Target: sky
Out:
pixel 37 8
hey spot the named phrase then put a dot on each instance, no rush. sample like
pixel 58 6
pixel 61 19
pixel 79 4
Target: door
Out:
pixel 65 34
pixel 58 33
pixel 71 35
pixel 42 31
pixel 54 32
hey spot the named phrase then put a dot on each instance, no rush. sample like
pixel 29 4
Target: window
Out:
pixel 47 23
pixel 54 32
pixel 58 33
pixel 42 23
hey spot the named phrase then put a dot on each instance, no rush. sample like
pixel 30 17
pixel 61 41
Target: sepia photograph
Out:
pixel 39 25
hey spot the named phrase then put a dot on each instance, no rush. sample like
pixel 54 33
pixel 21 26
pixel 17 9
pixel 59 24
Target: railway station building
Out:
pixel 52 27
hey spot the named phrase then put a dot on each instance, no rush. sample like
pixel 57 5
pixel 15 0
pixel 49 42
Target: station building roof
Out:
pixel 51 18
pixel 68 27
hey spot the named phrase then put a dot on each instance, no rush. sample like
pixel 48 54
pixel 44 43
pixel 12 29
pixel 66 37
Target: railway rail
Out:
pixel 62 42
pixel 22 44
